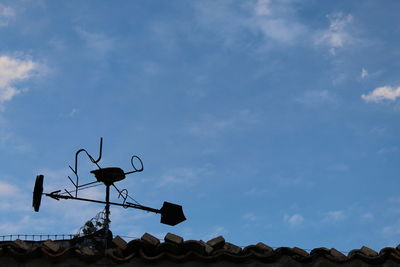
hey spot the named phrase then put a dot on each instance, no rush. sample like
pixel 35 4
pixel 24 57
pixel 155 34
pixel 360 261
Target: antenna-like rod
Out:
pixel 75 170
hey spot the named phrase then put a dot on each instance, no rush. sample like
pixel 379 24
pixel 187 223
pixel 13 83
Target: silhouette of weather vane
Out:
pixel 171 214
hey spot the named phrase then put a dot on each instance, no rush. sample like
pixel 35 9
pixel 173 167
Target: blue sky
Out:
pixel 272 121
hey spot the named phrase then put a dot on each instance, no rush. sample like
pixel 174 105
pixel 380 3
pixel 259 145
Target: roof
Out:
pixel 148 249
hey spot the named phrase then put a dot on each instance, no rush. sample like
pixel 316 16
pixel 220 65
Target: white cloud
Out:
pixel 272 20
pixel 293 220
pixel 315 97
pixel 13 70
pixel 337 35
pixel 7 189
pixel 276 21
pixel 334 216
pixel 364 73
pixel 381 94
pixel 281 30
pixel 6 13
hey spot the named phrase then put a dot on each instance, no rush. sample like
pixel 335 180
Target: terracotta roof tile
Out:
pixel 21 244
pixel 175 249
pixel 195 246
pixel 51 245
pixel 207 248
pixel 119 242
pixel 231 248
pixel 152 240
pixel 369 252
pixel 176 239
pixel 217 242
pixel 337 255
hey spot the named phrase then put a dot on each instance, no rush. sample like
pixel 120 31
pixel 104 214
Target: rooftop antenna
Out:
pixel 171 214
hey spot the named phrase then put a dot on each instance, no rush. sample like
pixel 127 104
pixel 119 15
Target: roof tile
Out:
pixel 195 246
pixel 369 252
pixel 320 251
pixel 337 255
pixel 176 239
pixel 300 251
pixel 87 251
pixel 264 247
pixel 231 248
pixel 217 242
pixel 152 240
pixel 169 247
pixel 21 244
pixel 207 248
pixel 150 249
pixel 119 242
pixel 54 247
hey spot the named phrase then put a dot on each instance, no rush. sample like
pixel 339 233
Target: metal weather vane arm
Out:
pixel 57 196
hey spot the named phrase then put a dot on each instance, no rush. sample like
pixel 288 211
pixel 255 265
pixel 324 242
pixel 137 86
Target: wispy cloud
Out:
pixel 364 73
pixel 7 189
pixel 13 70
pixel 338 167
pixel 13 198
pixel 73 112
pixel 185 176
pixel 271 20
pixel 276 21
pixel 316 98
pixel 250 217
pixel 6 14
pixel 216 231
pixel 293 220
pixel 337 35
pixel 285 180
pixel 211 126
pixel 334 216
pixel 387 150
pixel 367 217
pixel 392 231
pixel 98 43
pixel 27 224
pixel 257 191
pixel 380 94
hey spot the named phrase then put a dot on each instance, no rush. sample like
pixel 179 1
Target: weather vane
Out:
pixel 171 214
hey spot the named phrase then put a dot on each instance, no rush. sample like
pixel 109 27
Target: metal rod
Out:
pixel 88 184
pixel 129 205
pixel 107 220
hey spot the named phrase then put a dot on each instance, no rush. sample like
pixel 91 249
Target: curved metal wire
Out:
pixel 133 165
pixel 75 170
pixel 124 194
